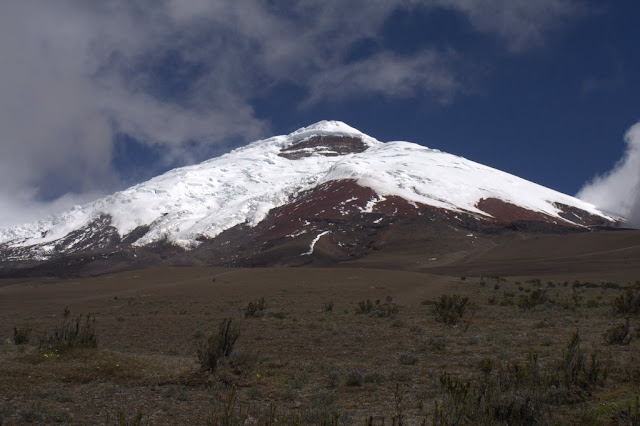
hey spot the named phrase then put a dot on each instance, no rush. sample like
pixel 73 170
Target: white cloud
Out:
pixel 75 73
pixel 618 190
pixel 390 75
pixel 18 208
pixel 521 23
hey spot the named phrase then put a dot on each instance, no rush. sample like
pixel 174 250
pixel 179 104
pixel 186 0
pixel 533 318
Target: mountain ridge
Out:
pixel 338 172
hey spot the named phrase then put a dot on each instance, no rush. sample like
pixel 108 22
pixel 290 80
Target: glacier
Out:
pixel 186 204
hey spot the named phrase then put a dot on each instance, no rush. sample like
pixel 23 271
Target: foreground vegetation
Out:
pixel 490 351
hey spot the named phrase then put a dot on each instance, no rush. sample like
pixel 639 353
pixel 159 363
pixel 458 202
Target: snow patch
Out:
pixel 313 243
pixel 371 204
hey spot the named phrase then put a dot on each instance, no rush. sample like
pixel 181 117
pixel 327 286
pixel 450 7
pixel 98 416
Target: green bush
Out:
pixel 121 419
pixel 536 297
pixel 364 307
pixel 218 345
pixel 627 303
pixel 21 335
pixel 408 359
pixel 255 308
pixel 504 394
pixel 374 377
pixel 450 309
pixel 386 309
pixel 438 343
pixel 73 333
pixel 377 309
pixel 576 371
pixel 618 334
pixel 354 378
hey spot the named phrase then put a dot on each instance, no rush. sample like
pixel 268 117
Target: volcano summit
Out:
pixel 324 193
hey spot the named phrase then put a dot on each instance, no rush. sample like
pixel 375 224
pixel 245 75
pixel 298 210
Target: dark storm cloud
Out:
pixel 74 74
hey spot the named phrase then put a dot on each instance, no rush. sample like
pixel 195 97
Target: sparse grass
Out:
pixel 340 368
pixel 517 392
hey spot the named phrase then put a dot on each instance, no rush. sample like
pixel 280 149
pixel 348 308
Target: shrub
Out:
pixel 438 343
pixel 486 365
pixel 627 303
pixel 377 309
pixel 572 363
pixel 450 309
pixel 74 332
pixel 354 378
pixel 632 415
pixel 455 393
pixel 255 308
pixel 575 371
pixel 415 329
pixel 278 315
pixel 536 297
pixel 217 346
pixel 40 413
pixel 21 335
pixel 398 324
pixel 618 335
pixel 507 301
pixel 408 359
pixel 227 411
pixel 511 394
pixel 364 307
pixel 121 418
pixel 374 377
pixel 386 309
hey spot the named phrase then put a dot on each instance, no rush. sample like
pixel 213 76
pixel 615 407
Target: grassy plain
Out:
pixel 342 345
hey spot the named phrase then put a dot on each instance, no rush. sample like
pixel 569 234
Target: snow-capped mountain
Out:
pixel 303 184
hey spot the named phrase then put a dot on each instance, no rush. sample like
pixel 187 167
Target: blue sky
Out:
pixel 96 96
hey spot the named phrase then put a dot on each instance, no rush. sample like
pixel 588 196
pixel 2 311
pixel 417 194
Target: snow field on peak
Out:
pixel 333 128
pixel 201 200
pixel 243 185
pixel 442 180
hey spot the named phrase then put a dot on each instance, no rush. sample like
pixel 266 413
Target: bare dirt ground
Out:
pixel 350 344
